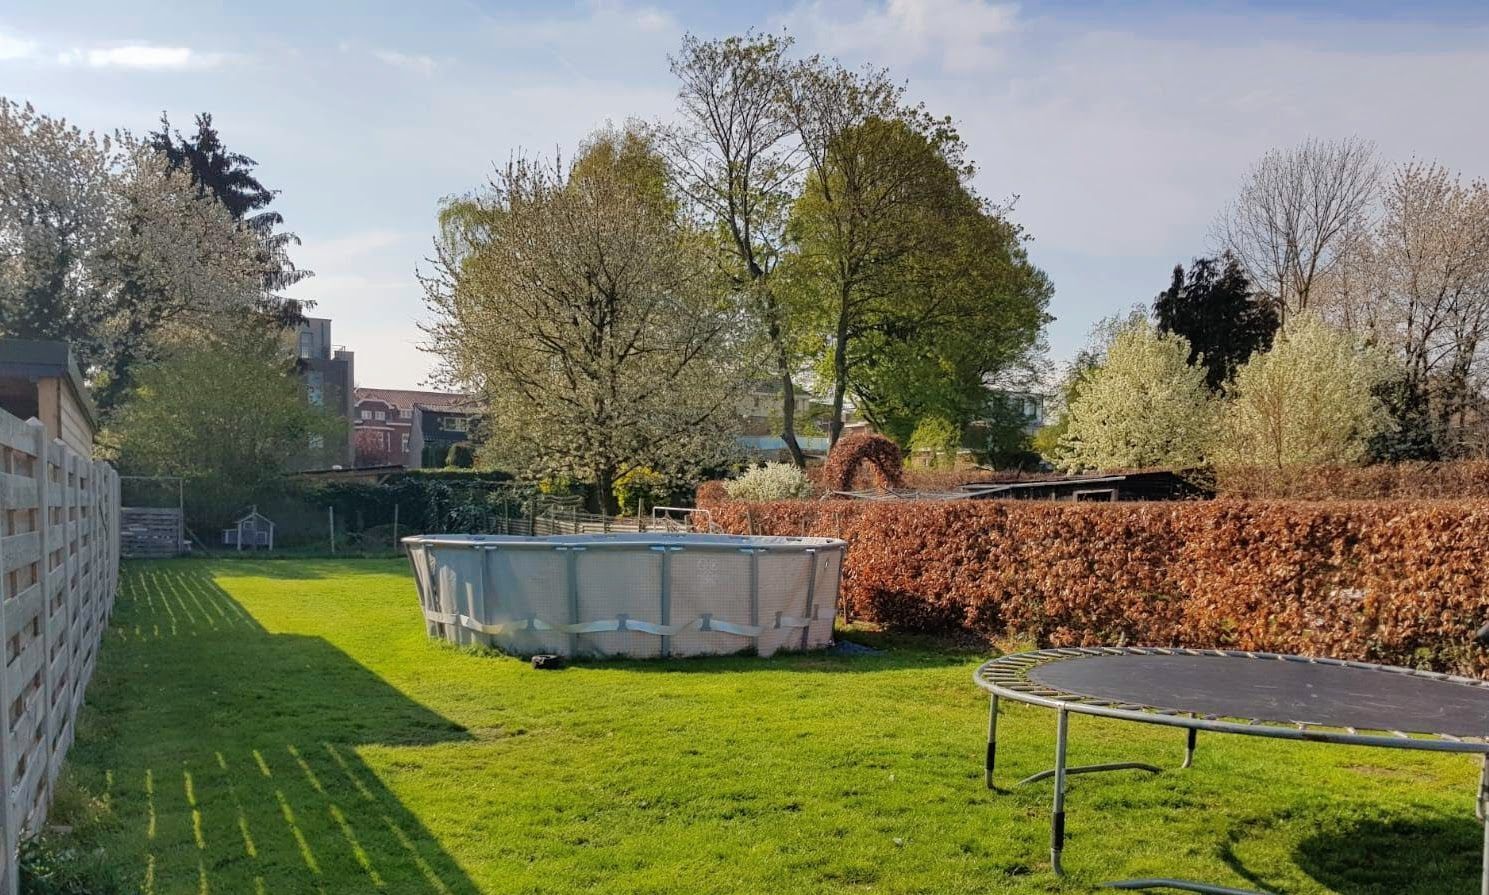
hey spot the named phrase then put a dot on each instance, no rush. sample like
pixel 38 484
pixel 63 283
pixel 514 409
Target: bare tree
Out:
pixel 1298 215
pixel 733 157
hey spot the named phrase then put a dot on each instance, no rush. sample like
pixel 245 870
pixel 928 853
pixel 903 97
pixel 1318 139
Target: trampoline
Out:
pixel 1245 693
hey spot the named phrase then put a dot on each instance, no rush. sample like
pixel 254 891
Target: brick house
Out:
pixel 411 428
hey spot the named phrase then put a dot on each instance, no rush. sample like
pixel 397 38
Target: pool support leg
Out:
pixel 1057 819
pixel 992 741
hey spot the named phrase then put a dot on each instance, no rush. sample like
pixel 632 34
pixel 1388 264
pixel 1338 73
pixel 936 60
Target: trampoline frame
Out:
pixel 1007 677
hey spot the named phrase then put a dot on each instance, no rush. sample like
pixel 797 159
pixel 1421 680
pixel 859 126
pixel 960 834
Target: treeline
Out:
pixel 1343 319
pixel 159 260
pixel 796 222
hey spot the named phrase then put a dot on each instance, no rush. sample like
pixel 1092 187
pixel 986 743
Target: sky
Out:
pixel 1123 129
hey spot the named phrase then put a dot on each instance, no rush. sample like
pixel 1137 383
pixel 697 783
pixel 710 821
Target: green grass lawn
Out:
pixel 286 727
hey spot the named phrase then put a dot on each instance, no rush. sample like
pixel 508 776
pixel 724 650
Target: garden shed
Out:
pixel 254 531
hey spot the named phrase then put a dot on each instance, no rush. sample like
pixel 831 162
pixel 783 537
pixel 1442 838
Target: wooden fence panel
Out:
pixel 59 570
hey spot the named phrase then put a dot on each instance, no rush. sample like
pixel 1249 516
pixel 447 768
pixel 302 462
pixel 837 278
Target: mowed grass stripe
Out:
pixel 285 726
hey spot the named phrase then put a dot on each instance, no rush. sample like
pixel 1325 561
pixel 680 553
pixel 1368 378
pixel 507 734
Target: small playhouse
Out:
pixel 253 532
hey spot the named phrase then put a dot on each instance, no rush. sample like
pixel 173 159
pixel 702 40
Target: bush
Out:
pixel 1394 582
pixel 462 455
pixel 1459 479
pixel 773 481
pixel 851 453
pixel 644 485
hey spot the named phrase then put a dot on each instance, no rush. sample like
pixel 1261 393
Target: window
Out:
pixel 366 414
pixel 380 416
pixel 307 343
pixel 315 387
pixel 455 423
pixel 404 449
pixel 405 414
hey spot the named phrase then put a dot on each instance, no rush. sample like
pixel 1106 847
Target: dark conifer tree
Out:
pixel 229 178
pixel 1214 307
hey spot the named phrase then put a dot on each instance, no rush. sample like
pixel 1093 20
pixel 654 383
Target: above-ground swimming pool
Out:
pixel 629 594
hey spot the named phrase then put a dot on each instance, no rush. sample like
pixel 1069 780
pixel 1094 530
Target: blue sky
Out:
pixel 1122 128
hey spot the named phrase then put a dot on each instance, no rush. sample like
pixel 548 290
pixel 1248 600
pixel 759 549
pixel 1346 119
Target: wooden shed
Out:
pixel 42 379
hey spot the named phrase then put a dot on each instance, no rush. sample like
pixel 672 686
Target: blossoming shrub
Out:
pixel 773 481
pixel 1396 582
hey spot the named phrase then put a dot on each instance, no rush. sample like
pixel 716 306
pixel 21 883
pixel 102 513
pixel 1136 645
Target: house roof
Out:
pixel 405 399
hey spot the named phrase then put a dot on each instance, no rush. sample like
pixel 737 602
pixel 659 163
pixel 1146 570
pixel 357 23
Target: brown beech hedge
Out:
pixel 1396 582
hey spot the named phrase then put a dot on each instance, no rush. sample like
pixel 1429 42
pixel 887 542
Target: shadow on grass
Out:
pixel 230 756
pixel 1402 856
pixel 1377 857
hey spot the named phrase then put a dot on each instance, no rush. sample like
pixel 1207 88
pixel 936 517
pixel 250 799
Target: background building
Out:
pixel 329 373
pixel 411 428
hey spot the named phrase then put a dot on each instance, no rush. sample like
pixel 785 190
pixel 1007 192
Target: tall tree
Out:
pixel 878 174
pixel 1299 213
pixel 964 312
pixel 1143 406
pixel 1214 308
pixel 229 177
pixel 579 302
pixel 102 246
pixel 1428 265
pixel 734 160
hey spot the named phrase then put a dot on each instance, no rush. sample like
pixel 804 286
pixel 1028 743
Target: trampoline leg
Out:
pixel 1189 748
pixel 992 740
pixel 1483 812
pixel 1057 829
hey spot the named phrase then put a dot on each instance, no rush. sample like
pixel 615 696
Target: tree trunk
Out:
pixel 788 411
pixel 839 382
pixel 788 388
pixel 604 491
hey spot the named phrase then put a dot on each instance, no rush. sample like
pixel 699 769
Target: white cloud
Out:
pixel 140 56
pixel 13 47
pixel 416 63
pixel 962 34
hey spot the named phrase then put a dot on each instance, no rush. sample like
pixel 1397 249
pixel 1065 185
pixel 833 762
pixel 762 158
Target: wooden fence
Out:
pixel 59 569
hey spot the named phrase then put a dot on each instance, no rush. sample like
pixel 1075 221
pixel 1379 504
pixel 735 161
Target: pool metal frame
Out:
pixel 664 543
pixel 1007 677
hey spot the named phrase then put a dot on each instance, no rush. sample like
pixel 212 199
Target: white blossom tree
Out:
pixel 578 302
pixel 1144 405
pixel 102 247
pixel 1310 400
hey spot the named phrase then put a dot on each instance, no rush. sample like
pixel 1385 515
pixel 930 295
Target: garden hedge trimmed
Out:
pixel 1397 582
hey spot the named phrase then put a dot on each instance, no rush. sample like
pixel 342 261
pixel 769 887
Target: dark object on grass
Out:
pixel 548 663
pixel 849 648
pixel 1252 694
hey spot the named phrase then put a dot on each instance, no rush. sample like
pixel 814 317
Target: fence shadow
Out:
pixel 229 755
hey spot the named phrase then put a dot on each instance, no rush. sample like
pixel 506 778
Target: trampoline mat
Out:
pixel 1276 690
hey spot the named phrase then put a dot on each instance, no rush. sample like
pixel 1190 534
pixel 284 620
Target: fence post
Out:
pixel 9 874
pixel 331 519
pixel 43 470
pixel 396 548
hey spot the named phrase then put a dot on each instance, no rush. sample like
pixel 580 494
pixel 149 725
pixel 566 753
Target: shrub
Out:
pixel 773 481
pixel 642 484
pixel 849 454
pixel 1393 582
pixel 462 455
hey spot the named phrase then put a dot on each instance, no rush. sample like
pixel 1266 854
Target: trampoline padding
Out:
pixel 1275 690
